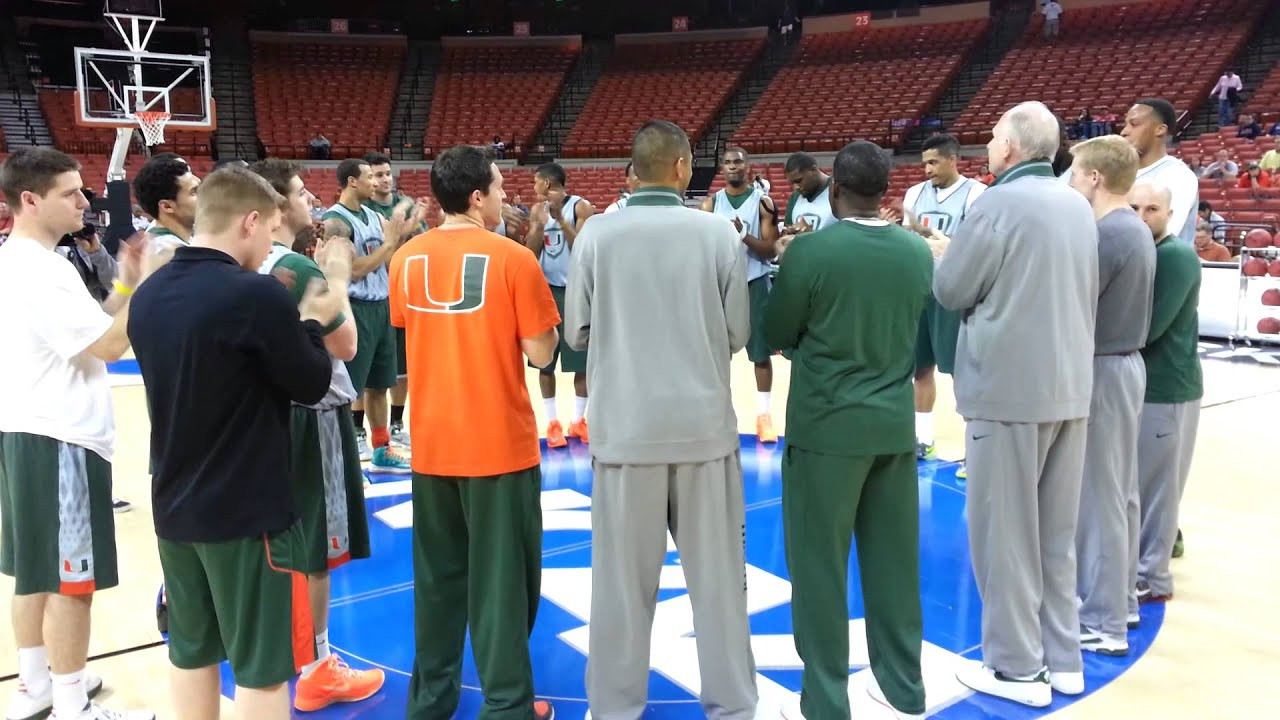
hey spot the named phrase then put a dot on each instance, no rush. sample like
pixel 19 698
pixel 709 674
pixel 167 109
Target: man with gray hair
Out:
pixel 1024 270
pixel 665 460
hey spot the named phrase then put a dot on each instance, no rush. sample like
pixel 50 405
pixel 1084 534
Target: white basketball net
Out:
pixel 152 124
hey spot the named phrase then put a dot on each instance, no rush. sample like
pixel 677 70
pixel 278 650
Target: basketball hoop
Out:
pixel 152 123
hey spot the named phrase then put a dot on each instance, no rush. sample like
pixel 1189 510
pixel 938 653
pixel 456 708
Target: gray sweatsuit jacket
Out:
pixel 658 292
pixel 1023 267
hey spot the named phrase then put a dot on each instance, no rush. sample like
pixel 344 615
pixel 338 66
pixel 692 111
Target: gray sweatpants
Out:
pixel 1024 501
pixel 632 507
pixel 1166 443
pixel 1104 564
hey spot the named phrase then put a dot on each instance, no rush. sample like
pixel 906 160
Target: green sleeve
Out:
pixel 787 311
pixel 791 204
pixel 1174 279
pixel 332 215
pixel 305 270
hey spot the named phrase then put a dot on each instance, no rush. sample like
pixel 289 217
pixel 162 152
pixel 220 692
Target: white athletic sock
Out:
pixel 70 697
pixel 33 670
pixel 322 653
pixel 762 401
pixel 924 428
pixel 579 408
pixel 549 404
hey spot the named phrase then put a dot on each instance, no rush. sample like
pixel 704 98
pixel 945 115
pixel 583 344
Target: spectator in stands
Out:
pixel 985 176
pixel 1195 163
pixel 499 147
pixel 1271 159
pixel 1052 19
pixel 317 209
pixel 321 148
pixel 1228 93
pixel 1275 129
pixel 1206 248
pixel 1249 128
pixel 1216 222
pixel 1084 125
pixel 1254 178
pixel 788 22
pixel 1222 168
pixel 1104 123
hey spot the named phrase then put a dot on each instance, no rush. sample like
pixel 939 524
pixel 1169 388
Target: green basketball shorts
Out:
pixel 59 533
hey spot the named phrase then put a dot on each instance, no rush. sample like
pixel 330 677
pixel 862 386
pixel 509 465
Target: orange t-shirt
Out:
pixel 1214 252
pixel 465 298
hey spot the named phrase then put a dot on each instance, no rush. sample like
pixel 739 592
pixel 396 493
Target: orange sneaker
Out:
pixel 578 429
pixel 555 435
pixel 764 429
pixel 335 682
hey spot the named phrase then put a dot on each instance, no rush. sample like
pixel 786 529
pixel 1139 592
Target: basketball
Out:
pixel 1258 238
pixel 1274 268
pixel 1254 267
pixel 1269 326
pixel 1271 297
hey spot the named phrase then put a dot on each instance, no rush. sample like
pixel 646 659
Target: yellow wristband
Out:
pixel 121 288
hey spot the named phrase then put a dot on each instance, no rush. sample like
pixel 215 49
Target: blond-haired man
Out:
pixel 1103 171
pixel 220 377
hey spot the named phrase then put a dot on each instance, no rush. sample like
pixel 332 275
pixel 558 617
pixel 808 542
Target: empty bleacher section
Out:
pixel 681 80
pixel 1110 55
pixel 1264 101
pixel 59 107
pixel 842 86
pixel 341 87
pixel 487 88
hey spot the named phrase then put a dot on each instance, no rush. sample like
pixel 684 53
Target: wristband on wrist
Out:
pixel 121 288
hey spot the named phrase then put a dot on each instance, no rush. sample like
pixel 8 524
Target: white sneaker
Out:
pixel 24 706
pixel 873 689
pixel 400 439
pixel 1134 621
pixel 1033 691
pixel 1071 683
pixel 1096 642
pixel 791 708
pixel 362 445
pixel 97 712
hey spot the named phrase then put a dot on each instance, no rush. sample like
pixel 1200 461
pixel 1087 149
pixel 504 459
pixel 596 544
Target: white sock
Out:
pixel 33 670
pixel 70 697
pixel 549 405
pixel 762 400
pixel 924 428
pixel 322 653
pixel 579 408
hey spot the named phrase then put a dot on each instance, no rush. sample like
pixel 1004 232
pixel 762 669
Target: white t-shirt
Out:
pixel 1052 10
pixel 1184 188
pixel 50 385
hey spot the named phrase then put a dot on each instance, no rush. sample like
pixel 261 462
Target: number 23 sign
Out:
pixel 861 21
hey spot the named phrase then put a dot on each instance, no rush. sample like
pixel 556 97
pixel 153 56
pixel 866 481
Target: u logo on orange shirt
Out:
pixel 467 285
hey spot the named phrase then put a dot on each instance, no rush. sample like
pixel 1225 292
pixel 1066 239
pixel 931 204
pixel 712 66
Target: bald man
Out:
pixel 666 459
pixel 1023 268
pixel 1175 387
pixel 1103 171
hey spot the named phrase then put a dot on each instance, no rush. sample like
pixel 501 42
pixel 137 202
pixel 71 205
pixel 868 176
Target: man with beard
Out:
pixel 754 217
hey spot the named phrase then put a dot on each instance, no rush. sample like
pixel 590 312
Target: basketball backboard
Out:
pixel 113 86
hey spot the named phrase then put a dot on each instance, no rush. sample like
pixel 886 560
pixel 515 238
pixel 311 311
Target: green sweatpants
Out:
pixel 477 562
pixel 827 501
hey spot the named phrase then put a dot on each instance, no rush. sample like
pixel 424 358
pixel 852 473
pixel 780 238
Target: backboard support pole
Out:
pixel 119 153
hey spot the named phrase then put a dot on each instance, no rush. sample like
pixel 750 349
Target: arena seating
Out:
pixel 1264 101
pixel 599 185
pixel 481 92
pixel 59 109
pixel 3 147
pixel 345 90
pixel 1109 56
pixel 1236 204
pixel 684 82
pixel 844 86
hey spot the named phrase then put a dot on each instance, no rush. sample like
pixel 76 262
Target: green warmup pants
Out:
pixel 828 501
pixel 477 562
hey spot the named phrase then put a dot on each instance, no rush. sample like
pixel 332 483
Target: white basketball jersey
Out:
pixel 816 212
pixel 749 213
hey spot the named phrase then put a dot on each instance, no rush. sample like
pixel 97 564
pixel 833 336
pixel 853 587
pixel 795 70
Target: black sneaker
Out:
pixel 121 506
